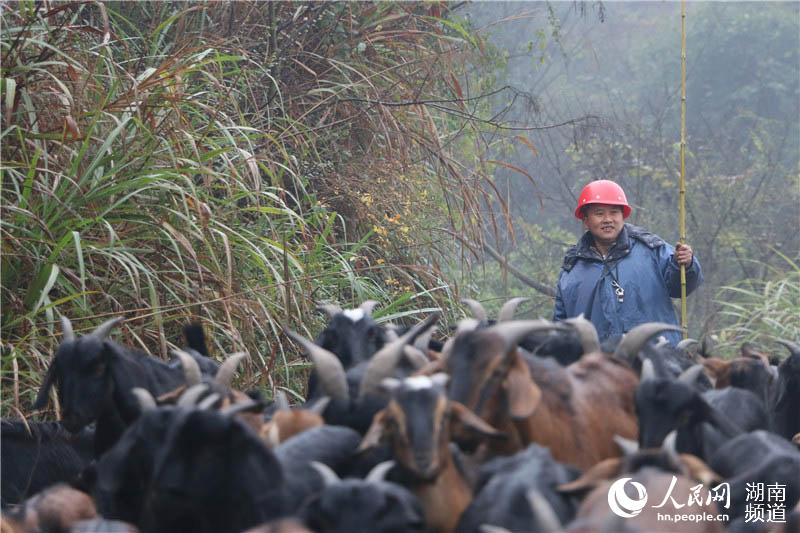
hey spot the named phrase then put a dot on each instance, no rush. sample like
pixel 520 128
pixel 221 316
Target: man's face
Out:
pixel 603 221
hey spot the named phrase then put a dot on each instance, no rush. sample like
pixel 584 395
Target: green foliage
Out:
pixel 229 163
pixel 761 311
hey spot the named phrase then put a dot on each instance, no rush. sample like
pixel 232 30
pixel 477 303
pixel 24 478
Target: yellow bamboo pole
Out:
pixel 682 185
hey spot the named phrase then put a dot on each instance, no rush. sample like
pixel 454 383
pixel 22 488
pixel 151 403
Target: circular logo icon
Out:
pixel 623 506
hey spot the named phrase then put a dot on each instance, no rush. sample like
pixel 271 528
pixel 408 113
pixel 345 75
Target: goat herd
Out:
pixel 506 425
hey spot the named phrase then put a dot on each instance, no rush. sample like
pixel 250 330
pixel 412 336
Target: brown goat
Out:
pixel 56 508
pixel 574 411
pixel 287 422
pixel 725 372
pixel 417 422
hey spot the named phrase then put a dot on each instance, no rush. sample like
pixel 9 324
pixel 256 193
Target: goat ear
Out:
pixel 602 471
pixel 523 394
pixel 462 415
pixel 44 391
pixel 375 432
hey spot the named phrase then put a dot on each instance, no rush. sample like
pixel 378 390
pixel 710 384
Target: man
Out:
pixel 620 275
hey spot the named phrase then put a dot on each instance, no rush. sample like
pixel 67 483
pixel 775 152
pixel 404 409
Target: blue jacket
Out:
pixel 642 263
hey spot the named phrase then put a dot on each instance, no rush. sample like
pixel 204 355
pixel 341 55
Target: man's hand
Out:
pixel 683 255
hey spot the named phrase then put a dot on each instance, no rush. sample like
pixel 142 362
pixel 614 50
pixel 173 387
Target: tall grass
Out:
pixel 761 311
pixel 226 163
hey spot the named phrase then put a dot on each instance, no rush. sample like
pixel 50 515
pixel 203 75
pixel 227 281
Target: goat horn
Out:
pixel 420 328
pixel 145 399
pixel 690 375
pixel 635 339
pixel 378 473
pixel 208 401
pixel 368 307
pixel 320 405
pixel 707 346
pixel 793 348
pixel 391 332
pixel 685 343
pixel 669 445
pixel 475 308
pixel 239 407
pixel 384 362
pixel 105 328
pixel 648 371
pixel 543 512
pixel 421 342
pixel 66 330
pixel 190 396
pixel 281 401
pixel 191 370
pixel 330 309
pixel 590 342
pixel 514 331
pixel 628 446
pixel 228 368
pixel 328 476
pixel 415 356
pixel 508 309
pixel 489 528
pixel 468 324
pixel 330 371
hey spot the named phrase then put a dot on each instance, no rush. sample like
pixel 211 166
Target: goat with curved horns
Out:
pixel 348 389
pixel 418 422
pixel 94 376
pixel 351 334
pixel 575 411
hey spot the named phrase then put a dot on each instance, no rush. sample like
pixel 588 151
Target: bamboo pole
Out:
pixel 682 185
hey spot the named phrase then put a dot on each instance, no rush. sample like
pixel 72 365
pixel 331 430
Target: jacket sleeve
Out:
pixel 560 312
pixel 672 272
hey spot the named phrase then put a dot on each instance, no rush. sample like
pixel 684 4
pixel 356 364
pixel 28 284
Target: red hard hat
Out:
pixel 602 192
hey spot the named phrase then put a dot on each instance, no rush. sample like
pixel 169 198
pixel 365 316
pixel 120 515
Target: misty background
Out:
pixel 611 73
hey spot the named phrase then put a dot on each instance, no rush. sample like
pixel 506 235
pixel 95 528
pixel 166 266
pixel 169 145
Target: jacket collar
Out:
pixel 586 251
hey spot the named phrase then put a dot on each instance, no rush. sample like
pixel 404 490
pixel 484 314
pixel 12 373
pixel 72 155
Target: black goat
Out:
pixel 352 334
pixel 370 504
pixel 184 469
pixel 565 346
pixel 123 474
pixel 355 394
pixel 333 446
pixel 94 377
pixel 35 455
pixel 758 456
pixel 213 474
pixel 750 373
pixel 504 485
pixel 703 420
pixel 785 402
